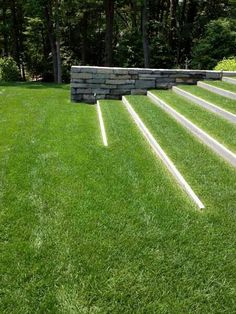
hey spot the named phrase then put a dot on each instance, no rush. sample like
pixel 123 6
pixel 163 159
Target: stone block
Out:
pixel 126 86
pixel 79 85
pixel 119 82
pixel 165 80
pixel 147 76
pixel 141 84
pixel 92 86
pixel 138 92
pixel 120 77
pixel 121 71
pixel 133 71
pixel 213 75
pixel 102 75
pixel 82 76
pixel 87 69
pixel 75 69
pixel 163 86
pixel 89 98
pixel 113 97
pixel 84 91
pixel 186 80
pixel 77 81
pixel 120 92
pixel 104 70
pixel 100 91
pixel 101 96
pixel 96 80
pixel 108 86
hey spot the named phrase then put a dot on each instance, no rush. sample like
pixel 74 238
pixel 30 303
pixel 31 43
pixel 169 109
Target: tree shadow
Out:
pixel 35 85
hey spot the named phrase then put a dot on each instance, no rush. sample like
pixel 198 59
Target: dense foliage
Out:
pixel 218 42
pixel 46 37
pixel 226 65
pixel 8 70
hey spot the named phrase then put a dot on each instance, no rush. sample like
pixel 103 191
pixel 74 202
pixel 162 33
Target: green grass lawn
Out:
pixel 219 128
pixel 224 85
pixel 89 229
pixel 221 101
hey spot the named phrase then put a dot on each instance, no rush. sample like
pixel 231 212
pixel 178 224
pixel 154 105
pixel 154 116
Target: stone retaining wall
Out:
pixel 91 83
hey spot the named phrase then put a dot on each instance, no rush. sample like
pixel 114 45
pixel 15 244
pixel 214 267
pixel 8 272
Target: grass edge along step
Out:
pixel 206 104
pixel 162 155
pixel 229 80
pixel 102 126
pixel 195 130
pixel 217 90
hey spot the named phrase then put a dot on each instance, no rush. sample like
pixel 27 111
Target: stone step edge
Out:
pixel 205 104
pixel 229 80
pixel 204 137
pixel 217 90
pixel 162 155
pixel 102 126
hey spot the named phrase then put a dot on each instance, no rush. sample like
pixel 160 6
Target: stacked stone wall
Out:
pixel 89 84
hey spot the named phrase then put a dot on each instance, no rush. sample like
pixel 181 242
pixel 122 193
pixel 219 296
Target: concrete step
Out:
pixel 160 153
pixel 204 137
pixel 217 90
pixel 230 80
pixel 205 104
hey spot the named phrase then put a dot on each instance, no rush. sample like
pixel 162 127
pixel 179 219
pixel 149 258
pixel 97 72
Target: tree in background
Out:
pixel 45 37
pixel 218 42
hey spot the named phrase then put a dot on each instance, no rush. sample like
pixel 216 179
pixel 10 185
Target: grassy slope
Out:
pixel 85 229
pixel 219 128
pixel 224 85
pixel 223 102
pixel 210 175
pixel 215 181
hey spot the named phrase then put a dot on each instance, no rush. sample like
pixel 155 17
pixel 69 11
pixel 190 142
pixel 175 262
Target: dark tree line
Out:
pixel 45 37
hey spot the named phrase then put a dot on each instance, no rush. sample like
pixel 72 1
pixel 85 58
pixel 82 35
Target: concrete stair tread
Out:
pixel 206 104
pixel 217 90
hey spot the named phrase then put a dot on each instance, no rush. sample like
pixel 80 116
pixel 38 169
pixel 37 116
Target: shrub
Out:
pixel 218 42
pixel 8 70
pixel 226 65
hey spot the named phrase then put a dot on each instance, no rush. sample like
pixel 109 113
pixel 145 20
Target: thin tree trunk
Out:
pixel 109 10
pixel 144 17
pixel 180 30
pixel 15 33
pixel 5 35
pixel 58 44
pixel 84 43
pixel 51 37
pixel 173 24
pixel 133 10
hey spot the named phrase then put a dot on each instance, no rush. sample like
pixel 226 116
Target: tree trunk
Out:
pixel 144 18
pixel 58 44
pixel 109 10
pixel 182 21
pixel 15 33
pixel 84 42
pixel 5 34
pixel 133 10
pixel 51 37
pixel 173 25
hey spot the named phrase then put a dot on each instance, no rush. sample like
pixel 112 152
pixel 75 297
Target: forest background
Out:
pixel 46 37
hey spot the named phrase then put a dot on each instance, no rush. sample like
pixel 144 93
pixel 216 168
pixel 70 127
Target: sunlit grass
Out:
pixel 90 229
pixel 224 85
pixel 219 128
pixel 223 102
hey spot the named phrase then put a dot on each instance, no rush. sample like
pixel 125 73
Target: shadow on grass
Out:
pixel 35 85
